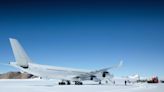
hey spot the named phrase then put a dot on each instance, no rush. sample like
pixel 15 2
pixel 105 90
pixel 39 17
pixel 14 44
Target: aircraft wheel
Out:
pixel 78 83
pixel 68 83
pixel 62 83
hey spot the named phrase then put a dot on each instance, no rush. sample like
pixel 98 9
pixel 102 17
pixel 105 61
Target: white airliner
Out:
pixel 66 75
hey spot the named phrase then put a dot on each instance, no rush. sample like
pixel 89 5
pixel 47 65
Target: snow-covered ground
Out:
pixel 51 86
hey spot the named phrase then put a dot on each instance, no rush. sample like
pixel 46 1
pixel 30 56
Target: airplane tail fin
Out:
pixel 20 55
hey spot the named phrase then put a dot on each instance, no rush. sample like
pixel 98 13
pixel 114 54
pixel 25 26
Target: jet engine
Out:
pixel 92 77
pixel 105 74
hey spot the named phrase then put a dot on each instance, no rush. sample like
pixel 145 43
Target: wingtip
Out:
pixel 12 39
pixel 121 63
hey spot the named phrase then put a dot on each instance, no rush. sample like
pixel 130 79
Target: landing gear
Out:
pixel 78 83
pixel 68 83
pixel 99 82
pixel 62 83
pixel 65 83
pixel 106 82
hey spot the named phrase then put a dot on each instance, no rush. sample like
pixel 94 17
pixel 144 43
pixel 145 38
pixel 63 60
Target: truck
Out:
pixel 153 80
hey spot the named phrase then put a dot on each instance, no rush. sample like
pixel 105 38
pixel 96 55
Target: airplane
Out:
pixel 65 75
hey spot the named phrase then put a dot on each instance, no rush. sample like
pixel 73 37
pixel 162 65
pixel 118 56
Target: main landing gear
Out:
pixel 65 83
pixel 78 83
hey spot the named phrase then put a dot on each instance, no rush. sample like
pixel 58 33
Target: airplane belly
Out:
pixel 44 73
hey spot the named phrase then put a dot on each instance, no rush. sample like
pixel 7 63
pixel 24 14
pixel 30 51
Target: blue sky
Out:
pixel 87 34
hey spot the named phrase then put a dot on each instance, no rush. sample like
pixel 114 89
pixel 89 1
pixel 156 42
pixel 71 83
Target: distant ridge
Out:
pixel 16 75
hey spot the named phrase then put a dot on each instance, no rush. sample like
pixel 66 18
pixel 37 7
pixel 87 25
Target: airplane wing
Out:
pixel 82 73
pixel 93 73
pixel 108 68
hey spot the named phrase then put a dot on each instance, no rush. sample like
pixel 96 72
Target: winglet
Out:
pixel 120 64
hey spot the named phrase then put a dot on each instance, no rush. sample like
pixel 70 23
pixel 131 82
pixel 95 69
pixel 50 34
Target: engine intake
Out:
pixel 104 74
pixel 92 77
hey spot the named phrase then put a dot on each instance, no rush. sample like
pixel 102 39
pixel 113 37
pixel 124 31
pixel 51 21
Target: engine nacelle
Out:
pixel 104 74
pixel 92 77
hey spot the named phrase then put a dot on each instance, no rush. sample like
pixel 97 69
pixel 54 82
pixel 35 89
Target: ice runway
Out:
pixel 51 86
